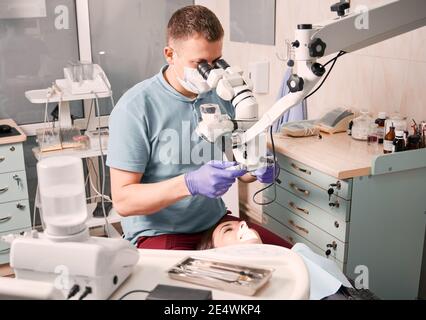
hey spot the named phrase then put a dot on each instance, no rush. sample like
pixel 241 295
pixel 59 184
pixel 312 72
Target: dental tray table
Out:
pixel 242 279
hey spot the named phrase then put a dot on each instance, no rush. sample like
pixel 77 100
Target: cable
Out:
pixel 90 114
pixel 341 53
pixel 334 60
pixel 103 166
pixel 276 176
pixel 74 290
pixel 108 199
pixel 86 292
pixel 35 208
pixel 133 291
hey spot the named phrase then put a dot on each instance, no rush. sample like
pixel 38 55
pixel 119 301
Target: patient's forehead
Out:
pixel 232 223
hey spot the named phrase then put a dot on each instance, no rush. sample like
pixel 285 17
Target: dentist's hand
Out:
pixel 212 180
pixel 266 174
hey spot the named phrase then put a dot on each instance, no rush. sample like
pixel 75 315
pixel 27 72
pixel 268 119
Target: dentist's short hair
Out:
pixel 192 20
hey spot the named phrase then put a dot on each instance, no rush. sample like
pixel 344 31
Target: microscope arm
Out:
pixel 283 105
pixel 385 22
pixel 361 29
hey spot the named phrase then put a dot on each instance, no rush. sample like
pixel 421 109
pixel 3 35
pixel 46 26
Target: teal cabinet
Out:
pixel 374 223
pixel 14 205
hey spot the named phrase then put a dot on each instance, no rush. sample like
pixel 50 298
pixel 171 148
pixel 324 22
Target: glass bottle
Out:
pixel 373 136
pixel 422 131
pixel 399 141
pixel 414 142
pixel 380 121
pixel 361 126
pixel 398 121
pixel 388 141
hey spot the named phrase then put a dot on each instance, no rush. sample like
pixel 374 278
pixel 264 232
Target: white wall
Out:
pixel 390 76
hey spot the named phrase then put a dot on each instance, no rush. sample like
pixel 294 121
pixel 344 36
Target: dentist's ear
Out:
pixel 169 55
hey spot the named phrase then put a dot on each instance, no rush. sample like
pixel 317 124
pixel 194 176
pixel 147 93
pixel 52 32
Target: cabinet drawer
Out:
pixel 292 237
pixel 14 215
pixel 13 186
pixel 316 177
pixel 5 247
pixel 11 158
pixel 314 194
pixel 334 225
pixel 318 237
pixel 4 252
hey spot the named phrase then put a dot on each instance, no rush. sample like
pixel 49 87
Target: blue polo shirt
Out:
pixel 152 131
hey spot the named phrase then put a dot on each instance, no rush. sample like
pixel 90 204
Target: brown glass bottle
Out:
pixel 380 121
pixel 388 142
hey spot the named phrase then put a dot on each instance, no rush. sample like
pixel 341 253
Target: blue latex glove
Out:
pixel 212 180
pixel 266 174
pixel 269 173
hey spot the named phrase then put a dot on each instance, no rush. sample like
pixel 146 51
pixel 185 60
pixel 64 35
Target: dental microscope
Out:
pixel 65 255
pixel 346 33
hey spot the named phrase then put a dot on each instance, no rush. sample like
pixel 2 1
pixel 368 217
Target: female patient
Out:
pixel 233 231
pixel 229 230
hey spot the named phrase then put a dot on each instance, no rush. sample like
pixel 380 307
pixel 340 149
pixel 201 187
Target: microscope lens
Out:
pixel 221 63
pixel 204 69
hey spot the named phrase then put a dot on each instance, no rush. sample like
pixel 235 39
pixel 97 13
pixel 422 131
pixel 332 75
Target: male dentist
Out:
pixel 166 181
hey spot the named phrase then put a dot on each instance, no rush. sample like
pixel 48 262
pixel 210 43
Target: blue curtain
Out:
pixel 297 113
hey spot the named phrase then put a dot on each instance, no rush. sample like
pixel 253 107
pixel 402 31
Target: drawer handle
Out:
pixel 2 159
pixel 4 190
pixel 335 204
pixel 332 245
pixel 298 227
pixel 20 206
pixel 294 187
pixel 5 251
pixel 4 220
pixel 300 169
pixel 293 205
pixel 290 239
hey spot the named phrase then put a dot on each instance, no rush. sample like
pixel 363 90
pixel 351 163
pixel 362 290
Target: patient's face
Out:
pixel 234 232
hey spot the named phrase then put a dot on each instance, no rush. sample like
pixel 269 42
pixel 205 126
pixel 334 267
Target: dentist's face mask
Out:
pixel 192 80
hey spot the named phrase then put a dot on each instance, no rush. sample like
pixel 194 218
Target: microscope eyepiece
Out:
pixel 204 69
pixel 222 64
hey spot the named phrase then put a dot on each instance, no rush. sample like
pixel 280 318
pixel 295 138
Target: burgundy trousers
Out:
pixel 190 241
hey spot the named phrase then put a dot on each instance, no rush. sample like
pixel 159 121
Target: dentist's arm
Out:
pixel 247 178
pixel 130 197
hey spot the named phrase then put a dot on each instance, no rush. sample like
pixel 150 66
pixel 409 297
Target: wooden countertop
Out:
pixel 14 139
pixel 337 155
